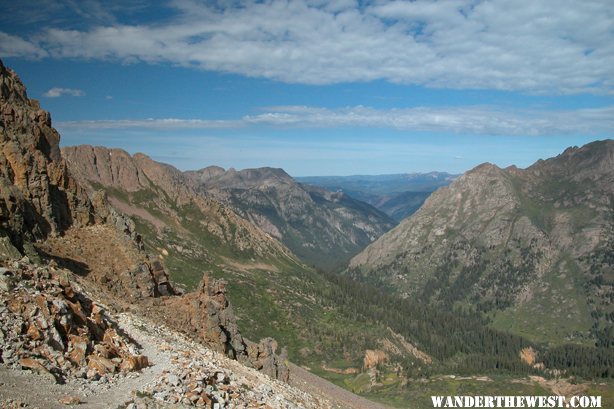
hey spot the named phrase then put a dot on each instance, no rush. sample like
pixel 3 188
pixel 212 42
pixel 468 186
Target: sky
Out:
pixel 316 87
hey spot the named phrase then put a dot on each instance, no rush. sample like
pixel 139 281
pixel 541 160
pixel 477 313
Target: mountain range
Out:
pixel 397 195
pixel 323 228
pixel 121 271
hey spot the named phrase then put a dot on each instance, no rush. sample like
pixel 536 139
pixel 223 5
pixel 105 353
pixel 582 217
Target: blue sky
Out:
pixel 320 88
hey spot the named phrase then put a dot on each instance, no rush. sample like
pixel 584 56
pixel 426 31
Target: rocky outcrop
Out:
pixel 214 319
pixel 374 357
pixel 264 358
pixel 38 197
pixel 207 315
pixel 50 326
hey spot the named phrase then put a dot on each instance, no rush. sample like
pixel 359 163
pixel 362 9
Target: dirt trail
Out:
pixel 37 392
pixel 159 361
pixel 313 384
pixel 40 393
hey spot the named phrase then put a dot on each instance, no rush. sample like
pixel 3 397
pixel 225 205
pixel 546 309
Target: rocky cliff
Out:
pixel 48 215
pixel 323 228
pixel 515 242
pixel 38 198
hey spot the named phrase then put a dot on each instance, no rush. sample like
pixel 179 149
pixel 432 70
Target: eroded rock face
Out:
pixel 38 197
pixel 263 357
pixel 48 325
pixel 208 315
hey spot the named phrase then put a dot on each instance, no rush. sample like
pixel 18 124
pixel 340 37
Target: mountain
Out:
pixel 170 213
pixel 532 248
pixel 272 293
pixel 70 263
pixel 397 195
pixel 323 228
pixel 90 314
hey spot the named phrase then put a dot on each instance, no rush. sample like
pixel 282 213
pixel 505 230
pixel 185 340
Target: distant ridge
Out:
pixel 323 228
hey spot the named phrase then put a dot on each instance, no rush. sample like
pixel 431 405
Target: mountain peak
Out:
pixel 486 168
pixel 591 161
pixel 214 176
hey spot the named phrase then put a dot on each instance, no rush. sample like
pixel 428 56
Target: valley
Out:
pixel 501 282
pixel 399 196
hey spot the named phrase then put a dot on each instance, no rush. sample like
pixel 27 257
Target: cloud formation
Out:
pixel 561 47
pixel 478 120
pixel 56 92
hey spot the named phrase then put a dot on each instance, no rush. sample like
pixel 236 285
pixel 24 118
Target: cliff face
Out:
pixel 38 198
pixel 528 245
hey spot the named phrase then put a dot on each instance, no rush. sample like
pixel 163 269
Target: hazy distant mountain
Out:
pixel 397 195
pixel 533 246
pixel 321 227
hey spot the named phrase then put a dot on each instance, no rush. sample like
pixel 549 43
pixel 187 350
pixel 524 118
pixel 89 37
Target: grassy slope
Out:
pixel 274 296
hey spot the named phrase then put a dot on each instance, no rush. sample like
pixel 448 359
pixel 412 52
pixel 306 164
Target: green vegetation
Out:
pixel 328 321
pixel 556 313
pixel 417 393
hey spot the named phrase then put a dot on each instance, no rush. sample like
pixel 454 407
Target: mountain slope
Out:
pixel 171 213
pixel 526 246
pixel 322 228
pixel 272 294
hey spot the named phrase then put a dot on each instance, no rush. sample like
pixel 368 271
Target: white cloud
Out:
pixel 56 92
pixel 476 120
pixel 527 45
pixel 13 46
pixel 149 123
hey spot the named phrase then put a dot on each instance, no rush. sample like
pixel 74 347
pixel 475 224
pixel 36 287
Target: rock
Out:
pixel 173 379
pixel 36 366
pixel 79 349
pixel 7 281
pixel 7 250
pixel 70 400
pixel 68 338
pixel 262 357
pixel 101 365
pixel 207 314
pixel 134 363
pixel 373 358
